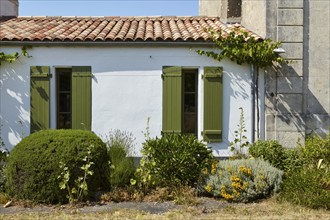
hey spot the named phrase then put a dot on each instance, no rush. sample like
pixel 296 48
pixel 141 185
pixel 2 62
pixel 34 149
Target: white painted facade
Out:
pixel 126 89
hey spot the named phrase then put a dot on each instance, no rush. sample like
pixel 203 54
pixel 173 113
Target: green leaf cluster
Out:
pixel 242 48
pixel 79 190
pixel 14 56
pixel 271 151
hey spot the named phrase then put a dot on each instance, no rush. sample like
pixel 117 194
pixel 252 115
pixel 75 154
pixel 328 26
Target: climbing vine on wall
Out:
pixel 238 46
pixel 14 56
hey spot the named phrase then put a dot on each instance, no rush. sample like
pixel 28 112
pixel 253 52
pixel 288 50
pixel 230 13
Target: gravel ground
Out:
pixel 205 204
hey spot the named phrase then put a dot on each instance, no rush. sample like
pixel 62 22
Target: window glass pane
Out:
pixel 65 102
pixel 65 82
pixel 234 8
pixel 64 99
pixel 64 121
pixel 189 82
pixel 189 103
pixel 190 123
pixel 189 118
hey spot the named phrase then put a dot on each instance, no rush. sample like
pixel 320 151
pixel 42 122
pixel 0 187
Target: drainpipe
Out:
pixel 253 104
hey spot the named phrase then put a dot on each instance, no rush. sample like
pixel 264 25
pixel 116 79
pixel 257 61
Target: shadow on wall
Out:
pixel 288 106
pixel 237 87
pixel 14 102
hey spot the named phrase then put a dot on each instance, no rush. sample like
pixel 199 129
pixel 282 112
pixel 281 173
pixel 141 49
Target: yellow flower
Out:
pixel 208 188
pixel 235 178
pixel 214 167
pixel 226 195
pixel 205 171
pixel 245 170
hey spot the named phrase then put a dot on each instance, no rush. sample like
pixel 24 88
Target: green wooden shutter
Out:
pixel 212 104
pixel 81 97
pixel 172 99
pixel 39 98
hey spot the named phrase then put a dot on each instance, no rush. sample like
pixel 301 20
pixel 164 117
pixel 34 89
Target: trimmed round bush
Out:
pixel 33 167
pixel 243 180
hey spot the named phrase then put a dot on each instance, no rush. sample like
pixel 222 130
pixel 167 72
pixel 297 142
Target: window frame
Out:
pixel 186 71
pixel 57 87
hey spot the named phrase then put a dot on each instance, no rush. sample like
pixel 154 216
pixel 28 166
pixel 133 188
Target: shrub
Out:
pixel 315 149
pixel 172 160
pixel 292 160
pixel 271 151
pixel 34 164
pixel 308 180
pixel 120 144
pixel 243 180
pixel 308 187
pixel 3 159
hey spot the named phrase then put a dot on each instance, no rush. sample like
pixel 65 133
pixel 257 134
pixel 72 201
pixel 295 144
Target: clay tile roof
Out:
pixel 89 29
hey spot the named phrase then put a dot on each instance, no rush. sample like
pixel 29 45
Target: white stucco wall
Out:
pixel 126 89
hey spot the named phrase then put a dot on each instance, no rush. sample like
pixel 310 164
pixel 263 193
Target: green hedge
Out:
pixel 33 166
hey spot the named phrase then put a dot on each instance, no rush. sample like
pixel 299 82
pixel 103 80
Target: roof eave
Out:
pixel 108 43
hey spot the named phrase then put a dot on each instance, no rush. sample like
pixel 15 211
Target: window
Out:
pixel 73 97
pixel 189 120
pixel 63 95
pixel 180 102
pixel 234 8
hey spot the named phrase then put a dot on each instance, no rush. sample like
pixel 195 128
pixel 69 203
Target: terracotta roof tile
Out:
pixel 88 29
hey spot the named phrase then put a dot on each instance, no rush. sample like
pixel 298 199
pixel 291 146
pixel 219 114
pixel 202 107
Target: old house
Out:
pixel 103 73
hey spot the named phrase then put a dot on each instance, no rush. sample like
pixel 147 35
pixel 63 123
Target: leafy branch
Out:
pixel 240 142
pixel 238 46
pixel 80 189
pixel 14 56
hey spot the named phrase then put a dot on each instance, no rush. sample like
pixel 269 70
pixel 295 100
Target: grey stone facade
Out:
pixel 8 7
pixel 297 95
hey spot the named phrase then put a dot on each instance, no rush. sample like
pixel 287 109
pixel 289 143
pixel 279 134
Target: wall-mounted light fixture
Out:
pixel 279 50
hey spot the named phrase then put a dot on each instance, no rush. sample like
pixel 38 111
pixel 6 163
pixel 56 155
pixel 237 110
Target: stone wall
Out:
pixel 8 8
pixel 298 98
pixel 209 8
pixel 285 112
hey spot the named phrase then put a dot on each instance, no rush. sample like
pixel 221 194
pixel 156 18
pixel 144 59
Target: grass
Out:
pixel 267 209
